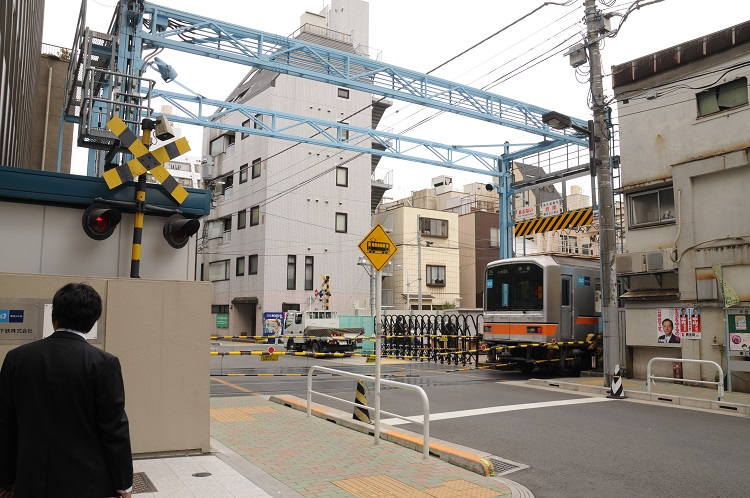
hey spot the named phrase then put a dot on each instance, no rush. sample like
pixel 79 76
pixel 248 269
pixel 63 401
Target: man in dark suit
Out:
pixel 63 428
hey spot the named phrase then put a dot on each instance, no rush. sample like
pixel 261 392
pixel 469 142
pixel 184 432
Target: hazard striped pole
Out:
pixel 360 400
pixel 616 389
pixel 140 204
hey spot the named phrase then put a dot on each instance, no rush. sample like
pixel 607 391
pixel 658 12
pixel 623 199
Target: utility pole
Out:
pixel 594 26
pixel 419 264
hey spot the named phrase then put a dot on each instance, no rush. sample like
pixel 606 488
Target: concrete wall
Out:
pixel 158 330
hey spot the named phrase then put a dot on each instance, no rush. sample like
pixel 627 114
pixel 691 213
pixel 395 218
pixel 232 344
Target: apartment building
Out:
pixel 286 214
pixel 685 132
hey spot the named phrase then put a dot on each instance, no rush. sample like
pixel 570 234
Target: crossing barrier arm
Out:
pixel 650 378
pixel 399 385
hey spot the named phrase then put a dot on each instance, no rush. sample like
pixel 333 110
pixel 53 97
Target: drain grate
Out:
pixel 503 466
pixel 142 484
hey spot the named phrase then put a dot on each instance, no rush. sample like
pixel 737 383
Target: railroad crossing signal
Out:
pixel 378 247
pixel 99 221
pixel 146 160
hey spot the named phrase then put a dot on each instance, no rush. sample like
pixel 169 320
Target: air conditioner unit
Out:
pixel 660 260
pixel 631 262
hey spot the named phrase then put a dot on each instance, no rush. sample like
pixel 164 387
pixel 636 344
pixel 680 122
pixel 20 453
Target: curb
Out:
pixel 705 404
pixel 460 456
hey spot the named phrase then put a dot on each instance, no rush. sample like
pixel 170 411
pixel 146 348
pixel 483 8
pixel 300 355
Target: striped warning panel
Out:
pixel 576 218
pixel 146 160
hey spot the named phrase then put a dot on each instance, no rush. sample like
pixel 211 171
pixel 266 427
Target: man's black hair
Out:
pixel 667 320
pixel 76 307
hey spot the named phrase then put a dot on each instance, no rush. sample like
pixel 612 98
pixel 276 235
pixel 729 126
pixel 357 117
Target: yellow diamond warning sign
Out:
pixel 377 247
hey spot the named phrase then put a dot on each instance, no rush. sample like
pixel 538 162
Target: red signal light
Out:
pixel 99 221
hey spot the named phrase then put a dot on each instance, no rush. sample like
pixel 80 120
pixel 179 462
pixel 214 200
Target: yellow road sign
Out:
pixel 377 247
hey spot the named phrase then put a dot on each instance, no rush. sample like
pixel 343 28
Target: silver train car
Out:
pixel 542 311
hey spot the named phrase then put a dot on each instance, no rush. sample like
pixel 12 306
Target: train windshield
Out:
pixel 515 286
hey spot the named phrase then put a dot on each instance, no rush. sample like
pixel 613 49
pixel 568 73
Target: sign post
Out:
pixel 378 248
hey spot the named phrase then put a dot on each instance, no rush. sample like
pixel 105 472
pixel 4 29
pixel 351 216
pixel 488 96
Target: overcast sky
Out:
pixel 519 63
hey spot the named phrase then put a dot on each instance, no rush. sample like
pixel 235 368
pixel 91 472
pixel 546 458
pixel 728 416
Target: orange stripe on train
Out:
pixel 545 329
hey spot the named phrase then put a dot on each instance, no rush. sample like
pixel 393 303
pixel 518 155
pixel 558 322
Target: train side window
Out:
pixel 565 292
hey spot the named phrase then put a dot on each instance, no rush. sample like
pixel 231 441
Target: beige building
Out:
pixel 685 132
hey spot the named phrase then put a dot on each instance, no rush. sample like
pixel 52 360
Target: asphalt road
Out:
pixel 573 445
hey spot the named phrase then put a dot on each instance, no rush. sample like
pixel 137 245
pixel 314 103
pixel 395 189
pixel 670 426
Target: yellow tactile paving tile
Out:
pixel 378 486
pixel 464 489
pixel 241 414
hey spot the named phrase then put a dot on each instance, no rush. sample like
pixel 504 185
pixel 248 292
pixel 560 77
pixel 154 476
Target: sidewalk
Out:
pixel 267 446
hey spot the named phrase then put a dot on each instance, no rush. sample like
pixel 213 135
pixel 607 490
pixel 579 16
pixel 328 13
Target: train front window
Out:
pixel 517 286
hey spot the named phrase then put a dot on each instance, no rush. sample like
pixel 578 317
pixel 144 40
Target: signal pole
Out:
pixel 594 27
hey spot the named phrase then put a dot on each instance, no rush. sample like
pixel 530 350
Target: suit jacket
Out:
pixel 673 339
pixel 63 427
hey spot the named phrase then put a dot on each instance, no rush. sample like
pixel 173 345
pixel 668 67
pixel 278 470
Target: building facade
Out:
pixel 21 24
pixel 685 133
pixel 286 214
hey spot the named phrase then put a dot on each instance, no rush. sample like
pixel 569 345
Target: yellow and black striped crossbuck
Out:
pixel 146 161
pixel 576 218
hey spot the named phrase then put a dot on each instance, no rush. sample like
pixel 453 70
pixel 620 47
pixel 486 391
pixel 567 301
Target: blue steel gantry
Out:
pixel 106 80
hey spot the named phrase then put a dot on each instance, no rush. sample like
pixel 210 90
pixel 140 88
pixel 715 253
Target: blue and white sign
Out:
pixel 584 280
pixel 489 284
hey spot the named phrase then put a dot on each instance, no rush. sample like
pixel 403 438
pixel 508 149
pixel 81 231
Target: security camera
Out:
pixel 489 187
pixel 163 129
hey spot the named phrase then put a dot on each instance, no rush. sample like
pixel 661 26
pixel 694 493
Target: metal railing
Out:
pixel 650 378
pixel 400 385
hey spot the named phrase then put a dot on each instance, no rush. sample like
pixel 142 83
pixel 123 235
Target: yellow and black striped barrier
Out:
pixel 575 218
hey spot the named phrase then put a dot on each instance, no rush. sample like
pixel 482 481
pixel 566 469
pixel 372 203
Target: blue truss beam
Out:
pixel 286 126
pixel 190 33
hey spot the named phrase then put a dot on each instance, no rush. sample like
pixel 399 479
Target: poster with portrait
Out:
pixel 668 326
pixel 273 324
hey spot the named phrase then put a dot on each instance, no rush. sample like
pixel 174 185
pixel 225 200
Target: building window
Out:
pixel 436 275
pixel 309 264
pixel 587 249
pixel 243 173
pixel 342 176
pixel 341 222
pixel 254 216
pixel 227 235
pixel 344 133
pixel 219 308
pixel 256 168
pixel 722 97
pixel 226 183
pixel 652 208
pixel 433 227
pixel 343 93
pixel 258 124
pixel 494 237
pixel 241 219
pixel 246 124
pixel 568 244
pixel 218 270
pixel 240 266
pixel 252 264
pixel 215 229
pixel 221 144
pixel 291 272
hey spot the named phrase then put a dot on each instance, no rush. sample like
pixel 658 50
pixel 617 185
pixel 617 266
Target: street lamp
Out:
pixel 599 165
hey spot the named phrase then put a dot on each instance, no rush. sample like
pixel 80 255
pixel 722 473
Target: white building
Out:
pixel 286 213
pixel 685 131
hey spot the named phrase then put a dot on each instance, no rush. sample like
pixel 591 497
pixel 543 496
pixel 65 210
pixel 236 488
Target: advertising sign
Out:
pixel 19 320
pixel 739 334
pixel 273 324
pixel 676 324
pixel 551 208
pixel 525 213
pixel 222 320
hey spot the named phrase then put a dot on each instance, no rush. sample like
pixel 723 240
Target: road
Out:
pixel 573 445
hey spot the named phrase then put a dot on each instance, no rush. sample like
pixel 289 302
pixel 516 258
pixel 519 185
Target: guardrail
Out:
pixel 400 385
pixel 650 378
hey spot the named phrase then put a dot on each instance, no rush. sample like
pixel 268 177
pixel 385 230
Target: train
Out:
pixel 542 312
